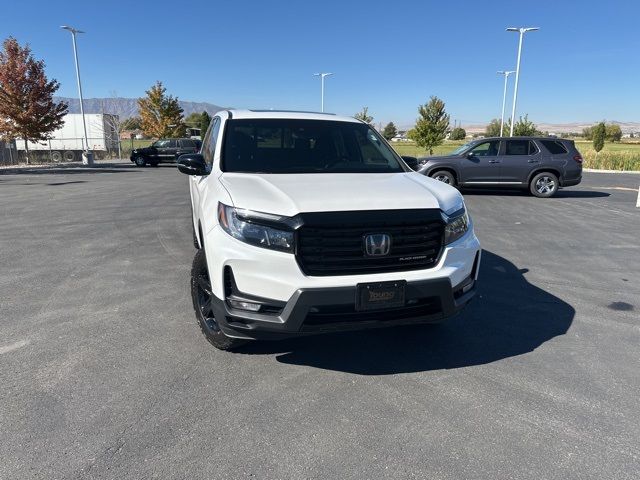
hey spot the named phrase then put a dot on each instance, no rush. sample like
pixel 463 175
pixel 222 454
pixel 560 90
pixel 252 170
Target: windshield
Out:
pixel 161 143
pixel 305 146
pixel 461 149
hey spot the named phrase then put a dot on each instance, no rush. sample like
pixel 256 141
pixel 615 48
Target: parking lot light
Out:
pixel 521 31
pixel 322 76
pixel 504 95
pixel 87 158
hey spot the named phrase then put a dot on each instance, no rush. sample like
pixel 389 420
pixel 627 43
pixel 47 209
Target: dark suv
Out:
pixel 165 150
pixel 541 164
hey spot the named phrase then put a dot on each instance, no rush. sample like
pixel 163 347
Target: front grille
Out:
pixel 340 314
pixel 332 243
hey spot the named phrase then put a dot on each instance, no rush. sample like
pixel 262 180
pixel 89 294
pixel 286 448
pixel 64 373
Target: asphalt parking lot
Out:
pixel 104 373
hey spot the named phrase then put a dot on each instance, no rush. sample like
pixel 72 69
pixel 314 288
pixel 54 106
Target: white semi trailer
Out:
pixel 67 143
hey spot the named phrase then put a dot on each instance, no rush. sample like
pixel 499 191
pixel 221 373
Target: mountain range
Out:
pixel 128 107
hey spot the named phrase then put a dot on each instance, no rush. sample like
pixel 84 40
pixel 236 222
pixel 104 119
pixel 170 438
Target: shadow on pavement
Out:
pixel 508 317
pixel 64 171
pixel 525 193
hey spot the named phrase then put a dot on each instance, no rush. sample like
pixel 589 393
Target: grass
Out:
pixel 614 156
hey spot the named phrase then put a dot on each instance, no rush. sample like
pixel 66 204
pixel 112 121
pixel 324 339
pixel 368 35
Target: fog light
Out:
pixel 468 286
pixel 242 305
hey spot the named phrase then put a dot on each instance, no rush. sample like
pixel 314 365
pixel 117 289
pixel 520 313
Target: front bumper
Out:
pixel 323 310
pixel 307 304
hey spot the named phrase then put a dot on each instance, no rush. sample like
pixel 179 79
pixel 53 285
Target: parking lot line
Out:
pixel 627 189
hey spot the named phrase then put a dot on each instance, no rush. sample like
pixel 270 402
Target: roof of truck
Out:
pixel 301 115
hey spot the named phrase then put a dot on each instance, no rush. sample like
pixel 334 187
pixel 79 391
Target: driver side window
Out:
pixel 486 149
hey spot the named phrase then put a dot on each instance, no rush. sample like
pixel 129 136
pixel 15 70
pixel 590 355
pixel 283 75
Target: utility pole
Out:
pixel 87 156
pixel 522 31
pixel 322 77
pixel 504 95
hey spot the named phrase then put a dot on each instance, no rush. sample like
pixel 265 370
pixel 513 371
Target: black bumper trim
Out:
pixel 290 322
pixel 570 182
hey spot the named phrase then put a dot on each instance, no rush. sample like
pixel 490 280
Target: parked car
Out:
pixel 540 164
pixel 165 150
pixel 308 223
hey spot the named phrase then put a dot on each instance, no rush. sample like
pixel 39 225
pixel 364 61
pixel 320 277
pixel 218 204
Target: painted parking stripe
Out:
pixel 627 189
pixel 14 346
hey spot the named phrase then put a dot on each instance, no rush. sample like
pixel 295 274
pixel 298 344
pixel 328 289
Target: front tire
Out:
pixel 544 185
pixel 444 176
pixel 202 296
pixel 140 161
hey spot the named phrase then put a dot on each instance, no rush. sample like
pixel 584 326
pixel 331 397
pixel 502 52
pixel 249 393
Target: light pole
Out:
pixel 522 31
pixel 504 95
pixel 322 75
pixel 87 156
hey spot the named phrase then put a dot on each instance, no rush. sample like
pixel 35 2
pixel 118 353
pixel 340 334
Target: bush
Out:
pixel 458 133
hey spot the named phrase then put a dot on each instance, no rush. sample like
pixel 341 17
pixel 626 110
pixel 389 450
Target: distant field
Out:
pixel 614 156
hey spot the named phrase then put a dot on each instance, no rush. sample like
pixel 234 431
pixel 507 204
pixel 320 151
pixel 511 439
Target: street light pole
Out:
pixel 322 76
pixel 504 95
pixel 522 31
pixel 87 157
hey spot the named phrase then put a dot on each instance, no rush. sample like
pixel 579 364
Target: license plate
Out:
pixel 377 296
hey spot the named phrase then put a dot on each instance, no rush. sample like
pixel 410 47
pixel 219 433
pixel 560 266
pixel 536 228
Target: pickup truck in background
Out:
pixel 165 150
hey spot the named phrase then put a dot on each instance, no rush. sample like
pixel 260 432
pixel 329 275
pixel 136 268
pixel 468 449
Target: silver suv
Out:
pixel 540 164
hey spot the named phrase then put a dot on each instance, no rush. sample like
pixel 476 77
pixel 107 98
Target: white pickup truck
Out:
pixel 308 223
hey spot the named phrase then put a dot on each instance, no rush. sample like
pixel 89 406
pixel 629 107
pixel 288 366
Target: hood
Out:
pixel 290 194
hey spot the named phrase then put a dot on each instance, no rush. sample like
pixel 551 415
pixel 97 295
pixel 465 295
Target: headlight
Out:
pixel 456 226
pixel 246 226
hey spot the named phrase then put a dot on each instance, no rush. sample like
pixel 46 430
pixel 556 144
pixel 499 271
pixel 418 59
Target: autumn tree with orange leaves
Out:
pixel 27 109
pixel 161 114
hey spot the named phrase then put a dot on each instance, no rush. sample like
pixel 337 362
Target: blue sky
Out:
pixel 583 65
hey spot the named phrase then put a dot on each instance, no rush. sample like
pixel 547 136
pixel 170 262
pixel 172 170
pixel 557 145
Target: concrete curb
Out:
pixel 593 170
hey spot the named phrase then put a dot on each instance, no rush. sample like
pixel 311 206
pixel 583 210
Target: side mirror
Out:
pixel 192 164
pixel 412 162
pixel 470 155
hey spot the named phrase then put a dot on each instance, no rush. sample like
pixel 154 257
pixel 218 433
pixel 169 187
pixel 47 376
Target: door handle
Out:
pixel 533 161
pixel 494 161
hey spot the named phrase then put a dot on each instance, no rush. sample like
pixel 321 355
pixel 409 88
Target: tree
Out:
pixel 587 133
pixel 193 119
pixel 493 129
pixel 205 120
pixel 364 115
pixel 458 133
pixel 433 124
pixel 524 128
pixel 613 132
pixel 160 113
pixel 132 123
pixel 389 131
pixel 27 109
pixel 599 134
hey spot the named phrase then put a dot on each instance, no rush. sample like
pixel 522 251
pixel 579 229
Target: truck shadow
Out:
pixel 505 192
pixel 508 317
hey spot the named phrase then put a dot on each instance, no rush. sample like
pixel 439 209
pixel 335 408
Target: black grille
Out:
pixel 332 243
